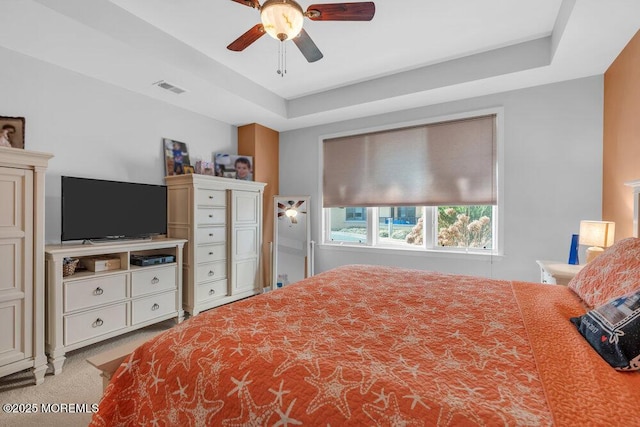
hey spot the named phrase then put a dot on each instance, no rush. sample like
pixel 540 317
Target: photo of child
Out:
pixel 234 166
pixel 176 157
pixel 243 169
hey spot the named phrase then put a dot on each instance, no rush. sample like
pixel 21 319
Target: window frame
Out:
pixel 430 212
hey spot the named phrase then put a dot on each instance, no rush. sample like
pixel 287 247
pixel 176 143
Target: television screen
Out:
pixel 100 209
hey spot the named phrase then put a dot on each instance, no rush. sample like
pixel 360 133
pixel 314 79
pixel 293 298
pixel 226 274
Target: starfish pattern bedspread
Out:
pixel 376 346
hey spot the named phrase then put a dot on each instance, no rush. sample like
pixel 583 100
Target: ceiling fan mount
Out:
pixel 283 20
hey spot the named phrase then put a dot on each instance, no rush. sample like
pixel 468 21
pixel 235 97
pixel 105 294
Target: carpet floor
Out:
pixel 78 383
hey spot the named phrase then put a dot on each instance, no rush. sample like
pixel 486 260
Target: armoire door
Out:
pixel 16 264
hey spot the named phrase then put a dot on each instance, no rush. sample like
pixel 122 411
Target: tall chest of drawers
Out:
pixel 221 218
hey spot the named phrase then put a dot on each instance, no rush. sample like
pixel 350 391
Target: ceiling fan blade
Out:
pixel 251 3
pixel 362 11
pixel 294 220
pixel 298 203
pixel 280 214
pixel 242 42
pixel 281 206
pixel 307 46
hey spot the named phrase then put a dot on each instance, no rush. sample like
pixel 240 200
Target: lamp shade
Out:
pixel 282 19
pixel 597 233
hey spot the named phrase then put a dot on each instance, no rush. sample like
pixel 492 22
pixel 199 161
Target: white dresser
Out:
pixel 90 306
pixel 22 261
pixel 222 220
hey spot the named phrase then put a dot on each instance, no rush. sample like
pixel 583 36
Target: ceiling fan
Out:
pixel 283 19
pixel 290 210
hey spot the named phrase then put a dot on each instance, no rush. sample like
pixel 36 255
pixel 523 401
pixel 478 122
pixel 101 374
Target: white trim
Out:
pixel 418 251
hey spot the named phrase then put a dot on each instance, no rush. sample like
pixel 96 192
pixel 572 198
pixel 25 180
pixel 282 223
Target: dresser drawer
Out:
pixel 211 253
pixel 212 271
pixel 212 290
pixel 100 321
pixel 211 197
pixel 211 216
pixel 88 293
pixel 211 234
pixel 153 306
pixel 147 280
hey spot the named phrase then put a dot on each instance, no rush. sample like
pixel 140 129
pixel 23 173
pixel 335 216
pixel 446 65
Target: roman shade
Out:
pixel 447 163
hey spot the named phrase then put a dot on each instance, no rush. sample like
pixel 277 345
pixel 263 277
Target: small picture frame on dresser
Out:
pixel 12 132
pixel 176 157
pixel 234 166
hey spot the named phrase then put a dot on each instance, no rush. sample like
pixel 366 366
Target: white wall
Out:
pixel 97 130
pixel 552 177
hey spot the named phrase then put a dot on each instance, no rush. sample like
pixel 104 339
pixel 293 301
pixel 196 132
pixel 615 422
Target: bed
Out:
pixel 373 345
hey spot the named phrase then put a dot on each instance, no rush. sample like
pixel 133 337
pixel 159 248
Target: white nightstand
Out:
pixel 557 273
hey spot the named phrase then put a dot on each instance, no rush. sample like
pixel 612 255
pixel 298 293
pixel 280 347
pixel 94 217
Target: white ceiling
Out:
pixel 413 52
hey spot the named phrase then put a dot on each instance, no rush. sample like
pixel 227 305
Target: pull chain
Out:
pixel 282 59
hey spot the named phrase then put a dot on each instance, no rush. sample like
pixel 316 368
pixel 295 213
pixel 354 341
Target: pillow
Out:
pixel 616 272
pixel 613 330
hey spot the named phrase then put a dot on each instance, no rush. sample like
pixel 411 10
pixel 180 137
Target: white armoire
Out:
pixel 221 218
pixel 22 261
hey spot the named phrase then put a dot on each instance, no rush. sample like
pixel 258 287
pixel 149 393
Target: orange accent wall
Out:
pixel 621 144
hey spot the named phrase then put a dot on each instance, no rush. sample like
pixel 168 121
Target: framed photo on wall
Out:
pixel 176 157
pixel 12 132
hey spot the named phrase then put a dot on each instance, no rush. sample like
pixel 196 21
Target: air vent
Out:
pixel 170 87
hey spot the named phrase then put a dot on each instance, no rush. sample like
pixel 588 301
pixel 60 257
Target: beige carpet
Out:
pixel 78 383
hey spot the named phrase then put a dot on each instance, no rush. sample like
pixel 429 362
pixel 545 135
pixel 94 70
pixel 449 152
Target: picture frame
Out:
pixel 205 168
pixel 12 132
pixel 176 157
pixel 233 166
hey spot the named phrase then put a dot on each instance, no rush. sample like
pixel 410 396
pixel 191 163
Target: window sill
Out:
pixel 417 252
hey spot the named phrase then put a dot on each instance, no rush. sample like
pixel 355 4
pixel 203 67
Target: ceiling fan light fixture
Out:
pixel 282 19
pixel 291 212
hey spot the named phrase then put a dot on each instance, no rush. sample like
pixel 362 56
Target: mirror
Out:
pixel 292 254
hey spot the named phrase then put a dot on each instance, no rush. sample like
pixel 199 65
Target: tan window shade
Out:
pixel 449 163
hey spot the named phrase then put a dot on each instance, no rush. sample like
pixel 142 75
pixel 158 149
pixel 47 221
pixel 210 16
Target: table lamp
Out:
pixel 597 235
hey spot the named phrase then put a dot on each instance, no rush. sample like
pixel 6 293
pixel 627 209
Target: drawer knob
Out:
pixel 210 215
pixel 98 291
pixel 98 322
pixel 211 273
pixel 210 253
pixel 155 306
pixel 211 197
pixel 210 234
pixel 154 280
pixel 212 291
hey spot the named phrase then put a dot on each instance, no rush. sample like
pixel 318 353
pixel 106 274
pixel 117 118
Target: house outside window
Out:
pixel 461 226
pixel 355 214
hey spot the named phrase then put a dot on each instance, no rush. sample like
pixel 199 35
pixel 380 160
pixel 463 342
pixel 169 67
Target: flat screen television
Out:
pixel 95 209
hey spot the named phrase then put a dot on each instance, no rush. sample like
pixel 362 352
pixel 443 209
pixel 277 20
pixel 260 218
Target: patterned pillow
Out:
pixel 616 272
pixel 613 330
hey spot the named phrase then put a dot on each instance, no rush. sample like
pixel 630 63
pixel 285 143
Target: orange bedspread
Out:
pixel 370 345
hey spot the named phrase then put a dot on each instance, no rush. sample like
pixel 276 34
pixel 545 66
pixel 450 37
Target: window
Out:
pixel 348 225
pixel 431 186
pixel 447 227
pixel 398 225
pixel 465 227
